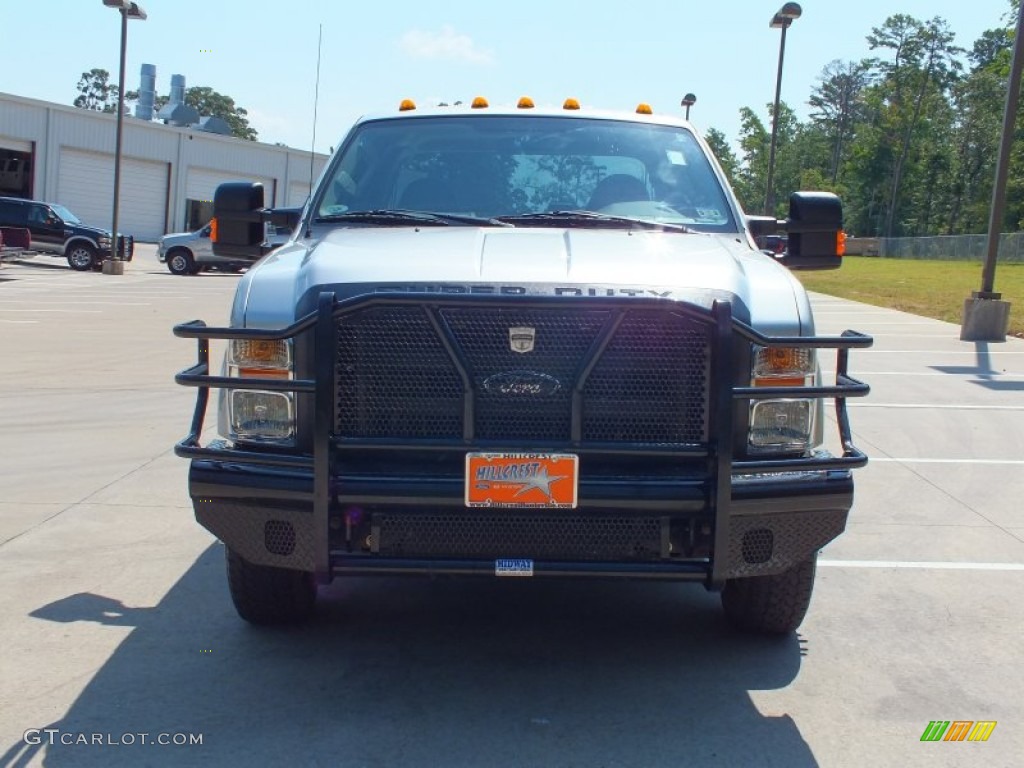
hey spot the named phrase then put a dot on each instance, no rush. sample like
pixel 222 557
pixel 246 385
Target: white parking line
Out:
pixel 924 565
pixel 901 322
pixel 1001 375
pixel 971 352
pixel 108 303
pixel 984 462
pixel 71 311
pixel 940 407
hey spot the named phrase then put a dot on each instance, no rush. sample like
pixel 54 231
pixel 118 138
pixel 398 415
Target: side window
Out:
pixel 36 214
pixel 12 214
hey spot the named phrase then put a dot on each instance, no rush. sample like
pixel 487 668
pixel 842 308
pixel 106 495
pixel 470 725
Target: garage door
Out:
pixel 85 185
pixel 298 191
pixel 201 183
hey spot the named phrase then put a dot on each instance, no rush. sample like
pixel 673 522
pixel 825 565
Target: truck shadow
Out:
pixel 451 673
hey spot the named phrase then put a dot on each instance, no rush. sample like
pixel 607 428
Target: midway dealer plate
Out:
pixel 513 568
pixel 521 480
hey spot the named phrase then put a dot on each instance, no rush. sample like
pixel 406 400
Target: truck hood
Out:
pixel 88 230
pixel 177 238
pixel 697 268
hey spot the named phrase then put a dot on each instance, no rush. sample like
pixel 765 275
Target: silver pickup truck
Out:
pixel 524 343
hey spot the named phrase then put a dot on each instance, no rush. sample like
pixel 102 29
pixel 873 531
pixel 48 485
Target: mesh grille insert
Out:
pixel 651 382
pixel 757 546
pixel 396 377
pixel 279 537
pixel 561 339
pixel 518 535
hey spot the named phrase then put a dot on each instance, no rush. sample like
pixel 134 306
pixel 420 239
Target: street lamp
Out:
pixel 781 20
pixel 129 10
pixel 688 101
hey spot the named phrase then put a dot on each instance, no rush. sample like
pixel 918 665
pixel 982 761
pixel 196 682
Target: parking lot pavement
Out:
pixel 114 618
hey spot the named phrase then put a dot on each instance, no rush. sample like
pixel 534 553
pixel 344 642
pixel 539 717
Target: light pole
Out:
pixel 781 20
pixel 688 101
pixel 986 317
pixel 129 10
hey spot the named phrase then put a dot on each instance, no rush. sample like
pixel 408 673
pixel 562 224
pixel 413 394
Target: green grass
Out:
pixel 931 288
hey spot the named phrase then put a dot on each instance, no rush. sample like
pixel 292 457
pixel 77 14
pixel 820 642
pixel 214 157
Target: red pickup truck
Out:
pixel 13 240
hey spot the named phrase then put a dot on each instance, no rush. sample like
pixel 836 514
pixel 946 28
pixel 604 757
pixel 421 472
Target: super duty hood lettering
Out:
pixel 521 290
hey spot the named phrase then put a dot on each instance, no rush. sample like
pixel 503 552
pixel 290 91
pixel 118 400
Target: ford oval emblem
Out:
pixel 522 383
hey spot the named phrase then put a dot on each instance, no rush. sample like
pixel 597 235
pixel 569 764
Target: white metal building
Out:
pixel 65 155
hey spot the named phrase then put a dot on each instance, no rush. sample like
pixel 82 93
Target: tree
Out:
pixel 565 181
pixel 755 146
pixel 207 101
pixel 923 65
pixel 837 107
pixel 752 177
pixel 96 92
pixel 977 102
pixel 726 157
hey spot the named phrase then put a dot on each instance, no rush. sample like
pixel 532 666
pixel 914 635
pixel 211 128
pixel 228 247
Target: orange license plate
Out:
pixel 521 480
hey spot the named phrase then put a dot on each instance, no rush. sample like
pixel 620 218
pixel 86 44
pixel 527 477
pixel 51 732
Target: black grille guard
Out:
pixel 717 453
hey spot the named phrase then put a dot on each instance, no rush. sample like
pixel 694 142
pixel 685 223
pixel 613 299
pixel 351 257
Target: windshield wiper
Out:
pixel 593 218
pixel 399 217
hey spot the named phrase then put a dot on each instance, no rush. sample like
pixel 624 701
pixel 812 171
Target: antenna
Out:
pixel 316 101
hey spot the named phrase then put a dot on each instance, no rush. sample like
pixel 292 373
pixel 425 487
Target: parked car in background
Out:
pixel 186 253
pixel 55 230
pixel 189 253
pixel 775 244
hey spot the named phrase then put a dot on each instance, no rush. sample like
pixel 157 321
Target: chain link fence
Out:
pixel 941 247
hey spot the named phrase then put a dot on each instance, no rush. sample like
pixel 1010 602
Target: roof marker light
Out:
pixel 479 103
pixel 525 102
pixel 406 105
pixel 644 109
pixel 571 104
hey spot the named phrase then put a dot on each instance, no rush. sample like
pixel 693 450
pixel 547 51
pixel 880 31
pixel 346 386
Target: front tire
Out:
pixel 81 257
pixel 773 604
pixel 180 262
pixel 265 595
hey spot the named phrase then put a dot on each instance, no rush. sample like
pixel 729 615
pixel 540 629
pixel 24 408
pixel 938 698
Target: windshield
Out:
pixel 491 166
pixel 65 214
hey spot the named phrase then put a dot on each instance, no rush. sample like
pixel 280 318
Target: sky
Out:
pixel 608 54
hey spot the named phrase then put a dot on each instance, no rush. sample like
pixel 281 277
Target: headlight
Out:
pixel 255 414
pixel 785 424
pixel 258 415
pixel 781 425
pixel 103 241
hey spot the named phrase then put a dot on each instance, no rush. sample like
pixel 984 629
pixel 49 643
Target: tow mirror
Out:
pixel 814 229
pixel 238 220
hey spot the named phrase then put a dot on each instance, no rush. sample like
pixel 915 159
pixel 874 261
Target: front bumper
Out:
pixel 715 519
pixel 126 248
pixel 771 525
